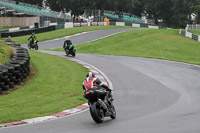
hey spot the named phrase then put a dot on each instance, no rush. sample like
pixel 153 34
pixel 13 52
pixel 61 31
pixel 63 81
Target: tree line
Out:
pixel 171 13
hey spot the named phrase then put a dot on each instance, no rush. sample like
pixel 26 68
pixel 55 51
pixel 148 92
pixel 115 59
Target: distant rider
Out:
pixel 91 81
pixel 67 44
pixel 33 38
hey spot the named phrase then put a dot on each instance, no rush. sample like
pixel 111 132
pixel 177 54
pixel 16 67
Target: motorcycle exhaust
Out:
pixel 102 104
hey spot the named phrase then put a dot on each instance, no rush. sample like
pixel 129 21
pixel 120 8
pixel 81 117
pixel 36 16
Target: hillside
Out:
pixel 5 53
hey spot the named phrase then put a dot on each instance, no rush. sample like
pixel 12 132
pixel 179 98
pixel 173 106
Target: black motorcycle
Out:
pixel 33 45
pixel 71 51
pixel 100 104
pixel 33 42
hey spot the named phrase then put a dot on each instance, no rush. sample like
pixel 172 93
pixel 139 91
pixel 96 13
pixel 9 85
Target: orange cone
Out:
pixel 180 32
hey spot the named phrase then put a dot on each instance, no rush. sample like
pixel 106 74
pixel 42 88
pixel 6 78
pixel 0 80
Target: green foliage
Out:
pixel 34 2
pixel 6 27
pixel 197 32
pixel 174 13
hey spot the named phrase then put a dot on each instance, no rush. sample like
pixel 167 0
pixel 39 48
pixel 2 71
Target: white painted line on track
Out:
pixel 39 119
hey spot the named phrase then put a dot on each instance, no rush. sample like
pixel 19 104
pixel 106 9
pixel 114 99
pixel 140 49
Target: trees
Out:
pixel 34 2
pixel 176 13
pixel 197 11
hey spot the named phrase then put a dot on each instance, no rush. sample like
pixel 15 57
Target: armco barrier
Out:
pixel 3 31
pixel 84 24
pixel 16 70
pixel 183 32
pixel 101 23
pixel 153 27
pixel 162 27
pixel 195 37
pixel 94 24
pixel 120 24
pixel 128 24
pixel 77 24
pixel 23 28
pixel 144 25
pixel 69 25
pixel 112 23
pixel 189 35
pixel 60 26
pixel 28 32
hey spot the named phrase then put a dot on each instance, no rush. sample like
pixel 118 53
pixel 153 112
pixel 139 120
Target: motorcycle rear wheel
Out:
pixel 97 112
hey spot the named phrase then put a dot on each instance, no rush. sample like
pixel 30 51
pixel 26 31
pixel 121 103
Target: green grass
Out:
pixel 61 33
pixel 56 87
pixel 7 27
pixel 161 44
pixel 197 32
pixel 5 53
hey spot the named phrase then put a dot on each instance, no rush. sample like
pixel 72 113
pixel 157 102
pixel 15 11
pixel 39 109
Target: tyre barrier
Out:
pixel 16 70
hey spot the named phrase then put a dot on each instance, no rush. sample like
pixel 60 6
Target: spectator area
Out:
pixel 124 18
pixel 28 10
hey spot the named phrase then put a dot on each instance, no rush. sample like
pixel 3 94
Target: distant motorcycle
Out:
pixel 33 42
pixel 71 51
pixel 100 104
pixel 33 45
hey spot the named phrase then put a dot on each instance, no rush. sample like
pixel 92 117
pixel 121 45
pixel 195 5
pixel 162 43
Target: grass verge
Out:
pixel 160 44
pixel 61 33
pixel 5 52
pixel 196 32
pixel 56 87
pixel 7 27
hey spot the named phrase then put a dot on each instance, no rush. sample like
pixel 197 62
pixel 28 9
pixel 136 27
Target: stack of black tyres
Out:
pixel 16 70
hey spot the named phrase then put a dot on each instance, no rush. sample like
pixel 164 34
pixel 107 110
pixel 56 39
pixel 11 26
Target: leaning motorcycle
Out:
pixel 100 104
pixel 71 51
pixel 33 44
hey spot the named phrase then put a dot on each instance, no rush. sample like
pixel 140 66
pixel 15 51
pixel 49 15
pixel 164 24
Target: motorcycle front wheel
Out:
pixel 36 46
pixel 74 54
pixel 67 52
pixel 113 115
pixel 97 112
pixel 29 46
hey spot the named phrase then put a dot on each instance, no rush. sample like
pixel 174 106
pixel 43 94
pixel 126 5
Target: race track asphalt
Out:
pixel 83 38
pixel 151 96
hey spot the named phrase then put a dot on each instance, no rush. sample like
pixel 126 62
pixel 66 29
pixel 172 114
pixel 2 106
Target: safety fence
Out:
pixel 20 31
pixel 27 31
pixel 142 25
pixel 124 18
pixel 16 70
pixel 20 28
pixel 189 35
pixel 192 27
pixel 29 9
